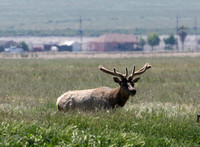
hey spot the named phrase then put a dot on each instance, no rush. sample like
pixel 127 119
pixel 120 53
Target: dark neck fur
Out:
pixel 118 97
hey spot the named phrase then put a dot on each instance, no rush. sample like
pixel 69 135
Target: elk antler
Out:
pixel 114 72
pixel 140 71
pixel 132 74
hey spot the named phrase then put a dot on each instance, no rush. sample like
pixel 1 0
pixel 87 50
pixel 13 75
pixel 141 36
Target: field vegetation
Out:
pixel 163 112
pixel 60 17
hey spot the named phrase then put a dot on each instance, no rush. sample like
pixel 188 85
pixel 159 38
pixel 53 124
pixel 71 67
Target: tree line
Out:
pixel 154 40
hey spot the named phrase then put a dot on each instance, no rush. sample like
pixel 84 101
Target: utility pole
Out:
pixel 81 32
pixel 177 23
pixel 195 30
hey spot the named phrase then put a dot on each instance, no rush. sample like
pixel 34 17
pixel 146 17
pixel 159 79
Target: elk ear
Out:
pixel 117 80
pixel 136 80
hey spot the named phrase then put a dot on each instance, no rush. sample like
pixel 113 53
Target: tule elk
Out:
pixel 102 97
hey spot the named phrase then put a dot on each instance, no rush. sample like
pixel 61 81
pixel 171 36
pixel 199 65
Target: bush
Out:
pixel 23 45
pixel 153 40
pixel 170 42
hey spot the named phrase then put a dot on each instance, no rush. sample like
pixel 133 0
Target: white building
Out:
pixel 76 47
pixel 14 49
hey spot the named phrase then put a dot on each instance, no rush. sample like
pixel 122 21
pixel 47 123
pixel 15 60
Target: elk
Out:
pixel 102 97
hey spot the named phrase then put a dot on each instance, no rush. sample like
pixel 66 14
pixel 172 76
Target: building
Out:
pixel 6 44
pixel 114 42
pixel 37 48
pixel 47 47
pixel 14 49
pixel 69 46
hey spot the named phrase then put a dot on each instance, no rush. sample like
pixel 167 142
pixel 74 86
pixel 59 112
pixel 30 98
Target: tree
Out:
pixel 141 44
pixel 153 40
pixel 23 45
pixel 182 34
pixel 170 42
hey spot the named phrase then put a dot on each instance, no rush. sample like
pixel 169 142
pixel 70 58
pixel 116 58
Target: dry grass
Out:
pixel 163 112
pixel 112 55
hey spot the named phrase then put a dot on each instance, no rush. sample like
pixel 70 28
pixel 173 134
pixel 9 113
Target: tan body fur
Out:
pixel 102 97
pixel 91 99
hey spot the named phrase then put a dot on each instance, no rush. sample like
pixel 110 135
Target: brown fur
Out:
pixel 102 97
pixel 118 97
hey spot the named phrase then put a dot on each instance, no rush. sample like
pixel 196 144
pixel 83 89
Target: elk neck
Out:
pixel 118 97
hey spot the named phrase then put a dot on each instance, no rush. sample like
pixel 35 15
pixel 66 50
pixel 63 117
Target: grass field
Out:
pixel 61 17
pixel 163 112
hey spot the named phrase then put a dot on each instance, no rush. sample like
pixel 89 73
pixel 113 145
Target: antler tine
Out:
pixel 126 72
pixel 114 72
pixel 105 70
pixel 132 74
pixel 114 69
pixel 120 74
pixel 143 69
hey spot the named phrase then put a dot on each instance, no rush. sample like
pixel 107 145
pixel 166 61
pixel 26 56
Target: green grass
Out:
pixel 60 17
pixel 163 112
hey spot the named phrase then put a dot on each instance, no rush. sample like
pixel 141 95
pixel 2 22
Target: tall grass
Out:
pixel 163 112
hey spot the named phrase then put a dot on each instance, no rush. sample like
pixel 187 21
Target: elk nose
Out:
pixel 133 92
pixel 131 89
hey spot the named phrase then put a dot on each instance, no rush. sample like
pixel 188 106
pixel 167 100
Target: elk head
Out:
pixel 126 82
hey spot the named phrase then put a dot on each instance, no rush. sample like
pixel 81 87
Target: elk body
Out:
pixel 102 97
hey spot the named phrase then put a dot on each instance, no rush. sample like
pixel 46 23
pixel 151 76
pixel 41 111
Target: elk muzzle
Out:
pixel 131 89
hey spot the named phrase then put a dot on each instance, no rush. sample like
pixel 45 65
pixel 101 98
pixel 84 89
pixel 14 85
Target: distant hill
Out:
pixel 61 17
